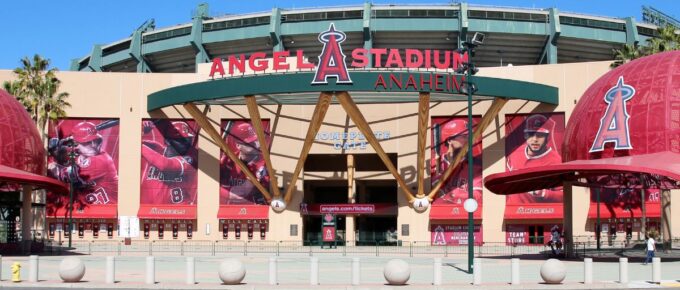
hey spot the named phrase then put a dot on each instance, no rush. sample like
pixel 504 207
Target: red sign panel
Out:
pixel 243 212
pixel 328 234
pixel 347 208
pixel 84 152
pixel 534 140
pixel 454 235
pixel 152 211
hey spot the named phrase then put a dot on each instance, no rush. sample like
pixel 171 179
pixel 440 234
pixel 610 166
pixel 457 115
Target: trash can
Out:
pixel 128 241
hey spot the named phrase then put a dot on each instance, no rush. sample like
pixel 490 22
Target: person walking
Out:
pixel 651 247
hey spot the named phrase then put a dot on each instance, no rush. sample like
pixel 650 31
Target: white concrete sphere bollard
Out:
pixel 553 271
pixel 232 271
pixel 71 269
pixel 397 272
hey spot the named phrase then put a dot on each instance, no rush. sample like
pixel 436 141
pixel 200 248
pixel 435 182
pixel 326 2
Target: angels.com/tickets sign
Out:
pixel 347 208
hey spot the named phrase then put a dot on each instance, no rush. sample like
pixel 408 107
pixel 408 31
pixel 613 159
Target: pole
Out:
pixel 470 183
pixel 597 227
pixel 72 157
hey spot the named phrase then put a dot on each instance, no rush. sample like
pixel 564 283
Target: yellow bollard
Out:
pixel 16 272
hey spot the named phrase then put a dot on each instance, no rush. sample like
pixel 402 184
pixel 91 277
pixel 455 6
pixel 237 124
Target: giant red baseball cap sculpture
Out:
pixel 22 156
pixel 623 133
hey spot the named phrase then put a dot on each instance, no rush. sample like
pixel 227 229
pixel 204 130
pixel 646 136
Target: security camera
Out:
pixel 478 38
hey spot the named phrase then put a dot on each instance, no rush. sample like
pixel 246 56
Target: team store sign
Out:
pixel 332 64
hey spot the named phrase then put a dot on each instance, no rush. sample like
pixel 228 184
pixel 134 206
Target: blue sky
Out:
pixel 64 30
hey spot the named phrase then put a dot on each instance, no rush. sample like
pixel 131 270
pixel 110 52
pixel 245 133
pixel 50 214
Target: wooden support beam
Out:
pixel 210 130
pixel 353 111
pixel 491 114
pixel 423 116
pixel 314 125
pixel 264 146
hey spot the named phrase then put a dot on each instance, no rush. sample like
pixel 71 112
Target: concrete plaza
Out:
pixel 334 273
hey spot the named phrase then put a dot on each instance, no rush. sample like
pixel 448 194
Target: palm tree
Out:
pixel 37 88
pixel 626 54
pixel 666 40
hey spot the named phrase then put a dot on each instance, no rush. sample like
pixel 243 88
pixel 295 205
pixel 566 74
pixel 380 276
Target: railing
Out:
pixel 282 248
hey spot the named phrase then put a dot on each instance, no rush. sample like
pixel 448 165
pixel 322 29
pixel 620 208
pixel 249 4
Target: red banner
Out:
pixel 169 163
pixel 85 153
pixel 452 212
pixel 449 136
pixel 241 138
pixel 625 203
pixel 534 140
pixel 454 235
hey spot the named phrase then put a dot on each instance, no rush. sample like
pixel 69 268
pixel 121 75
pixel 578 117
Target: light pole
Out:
pixel 470 87
pixel 72 175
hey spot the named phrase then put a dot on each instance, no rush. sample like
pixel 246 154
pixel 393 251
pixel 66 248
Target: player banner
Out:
pixel 235 188
pixel 534 140
pixel 169 168
pixel 85 153
pixel 449 136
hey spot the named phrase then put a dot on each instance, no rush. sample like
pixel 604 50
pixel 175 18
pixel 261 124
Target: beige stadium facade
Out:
pixel 123 96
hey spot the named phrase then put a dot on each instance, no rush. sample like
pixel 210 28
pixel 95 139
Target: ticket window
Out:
pixel 251 227
pixel 175 231
pixel 237 231
pixel 95 230
pixel 225 231
pixel 161 230
pixel 263 231
pixel 52 229
pixel 190 231
pixel 81 230
pixel 109 230
pixel 67 231
pixel 147 230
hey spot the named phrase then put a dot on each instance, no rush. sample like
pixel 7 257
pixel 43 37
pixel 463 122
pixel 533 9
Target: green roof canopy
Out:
pixel 296 89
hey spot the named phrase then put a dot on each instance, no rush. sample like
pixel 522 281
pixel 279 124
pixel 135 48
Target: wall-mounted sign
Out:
pixel 347 208
pixel 351 140
pixel 331 64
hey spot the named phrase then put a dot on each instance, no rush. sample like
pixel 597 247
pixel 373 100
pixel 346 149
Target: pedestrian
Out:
pixel 651 247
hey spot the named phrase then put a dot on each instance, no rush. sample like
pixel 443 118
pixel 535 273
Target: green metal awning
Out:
pixel 296 89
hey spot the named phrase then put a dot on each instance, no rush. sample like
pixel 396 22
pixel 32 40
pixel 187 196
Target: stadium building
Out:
pixel 288 124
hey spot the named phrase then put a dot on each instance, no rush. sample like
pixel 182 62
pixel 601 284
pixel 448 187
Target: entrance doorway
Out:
pixel 381 227
pixel 323 192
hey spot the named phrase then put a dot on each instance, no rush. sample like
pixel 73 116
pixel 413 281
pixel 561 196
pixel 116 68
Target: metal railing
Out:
pixel 278 248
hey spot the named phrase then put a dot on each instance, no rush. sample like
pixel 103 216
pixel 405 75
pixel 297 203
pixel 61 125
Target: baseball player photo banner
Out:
pixel 449 136
pixel 534 140
pixel 169 169
pixel 625 203
pixel 84 152
pixel 235 188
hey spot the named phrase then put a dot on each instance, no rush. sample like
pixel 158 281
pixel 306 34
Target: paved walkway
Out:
pixel 334 273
